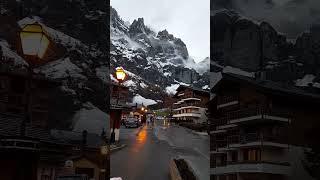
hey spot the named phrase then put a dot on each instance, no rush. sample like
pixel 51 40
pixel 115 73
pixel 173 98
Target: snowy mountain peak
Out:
pixel 164 35
pixel 138 27
pixel 116 22
pixel 154 60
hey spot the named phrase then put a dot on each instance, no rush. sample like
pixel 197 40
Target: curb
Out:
pixel 174 171
pixel 117 148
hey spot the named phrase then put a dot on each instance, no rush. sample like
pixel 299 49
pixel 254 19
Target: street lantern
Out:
pixel 34 40
pixel 120 74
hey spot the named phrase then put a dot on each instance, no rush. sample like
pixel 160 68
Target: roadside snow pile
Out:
pixel 139 100
pixel 90 118
pixel 171 90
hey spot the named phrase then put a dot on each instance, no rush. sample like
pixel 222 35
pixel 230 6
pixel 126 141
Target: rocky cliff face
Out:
pixel 154 60
pixel 256 46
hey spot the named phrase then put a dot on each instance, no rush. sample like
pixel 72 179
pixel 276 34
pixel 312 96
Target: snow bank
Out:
pixel 139 100
pixel 90 118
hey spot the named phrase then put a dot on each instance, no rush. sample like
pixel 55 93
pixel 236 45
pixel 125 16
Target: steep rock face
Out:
pixel 245 48
pixel 138 27
pixel 153 60
pixel 308 49
pixel 252 46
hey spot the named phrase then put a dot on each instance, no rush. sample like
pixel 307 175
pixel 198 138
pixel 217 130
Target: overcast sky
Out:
pixel 185 19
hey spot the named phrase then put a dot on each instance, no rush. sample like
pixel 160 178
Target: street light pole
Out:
pixel 120 76
pixel 34 44
pixel 28 99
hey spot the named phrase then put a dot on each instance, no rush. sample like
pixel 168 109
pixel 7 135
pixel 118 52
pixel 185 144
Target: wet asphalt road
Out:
pixel 144 158
pixel 148 153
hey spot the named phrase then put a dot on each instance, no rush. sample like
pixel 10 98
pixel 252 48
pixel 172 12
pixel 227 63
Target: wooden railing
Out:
pixel 249 112
pixel 247 138
pixel 227 99
pixel 198 104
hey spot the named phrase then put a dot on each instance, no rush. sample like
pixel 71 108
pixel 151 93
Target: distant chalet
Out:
pixel 259 128
pixel 190 105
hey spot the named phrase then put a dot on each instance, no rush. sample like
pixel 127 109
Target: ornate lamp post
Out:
pixel 34 45
pixel 120 76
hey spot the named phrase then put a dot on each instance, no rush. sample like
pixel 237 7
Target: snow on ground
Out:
pixel 238 71
pixel 172 89
pixel 139 100
pixel 7 52
pixel 90 118
pixel 61 69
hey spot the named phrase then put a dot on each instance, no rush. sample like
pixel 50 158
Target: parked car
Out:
pixel 73 177
pixel 131 122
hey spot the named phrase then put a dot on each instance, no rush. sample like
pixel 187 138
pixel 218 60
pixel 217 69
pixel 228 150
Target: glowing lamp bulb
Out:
pixel 34 41
pixel 120 74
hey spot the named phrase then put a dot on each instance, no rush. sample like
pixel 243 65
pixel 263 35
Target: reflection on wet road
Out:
pixel 148 152
pixel 145 157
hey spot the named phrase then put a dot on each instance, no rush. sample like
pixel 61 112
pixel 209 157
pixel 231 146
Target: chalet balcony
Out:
pixel 185 104
pixel 19 144
pixel 282 168
pixel 188 114
pixel 249 140
pixel 227 101
pixel 252 115
pixel 256 139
